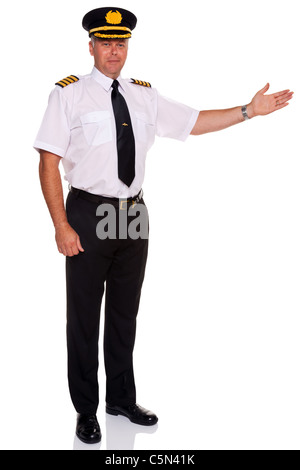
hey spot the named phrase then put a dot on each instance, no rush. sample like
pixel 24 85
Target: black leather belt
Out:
pixel 121 204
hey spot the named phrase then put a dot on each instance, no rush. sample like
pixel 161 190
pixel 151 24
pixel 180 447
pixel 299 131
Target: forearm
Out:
pixel 52 188
pixel 68 241
pixel 218 119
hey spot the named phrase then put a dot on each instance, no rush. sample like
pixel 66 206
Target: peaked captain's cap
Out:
pixel 109 23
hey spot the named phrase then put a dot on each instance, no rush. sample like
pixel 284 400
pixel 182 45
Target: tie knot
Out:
pixel 115 85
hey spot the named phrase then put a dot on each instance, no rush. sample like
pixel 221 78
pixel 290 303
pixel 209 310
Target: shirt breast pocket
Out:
pixel 145 128
pixel 97 127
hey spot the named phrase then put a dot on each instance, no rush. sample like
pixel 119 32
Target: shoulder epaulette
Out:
pixel 67 81
pixel 139 82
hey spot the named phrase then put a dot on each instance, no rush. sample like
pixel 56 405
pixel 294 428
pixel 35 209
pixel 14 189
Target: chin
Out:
pixel 115 72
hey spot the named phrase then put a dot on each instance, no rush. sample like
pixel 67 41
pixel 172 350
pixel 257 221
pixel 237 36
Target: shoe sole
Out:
pixel 135 421
pixel 86 441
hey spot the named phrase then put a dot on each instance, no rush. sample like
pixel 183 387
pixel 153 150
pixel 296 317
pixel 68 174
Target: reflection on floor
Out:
pixel 119 434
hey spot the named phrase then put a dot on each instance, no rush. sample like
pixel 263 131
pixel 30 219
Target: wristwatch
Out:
pixel 244 113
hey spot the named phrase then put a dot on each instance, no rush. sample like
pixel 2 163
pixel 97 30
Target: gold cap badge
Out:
pixel 113 17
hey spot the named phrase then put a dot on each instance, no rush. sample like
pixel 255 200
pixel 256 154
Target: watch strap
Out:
pixel 244 113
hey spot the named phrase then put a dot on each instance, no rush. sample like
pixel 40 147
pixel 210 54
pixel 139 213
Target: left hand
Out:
pixel 262 104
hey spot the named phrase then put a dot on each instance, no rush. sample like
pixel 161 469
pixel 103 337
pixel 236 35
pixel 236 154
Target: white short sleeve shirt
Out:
pixel 79 127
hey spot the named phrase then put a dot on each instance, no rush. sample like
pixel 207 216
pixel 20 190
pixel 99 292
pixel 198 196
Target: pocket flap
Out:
pixel 143 117
pixel 95 116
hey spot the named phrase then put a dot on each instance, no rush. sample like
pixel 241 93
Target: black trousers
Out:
pixel 116 267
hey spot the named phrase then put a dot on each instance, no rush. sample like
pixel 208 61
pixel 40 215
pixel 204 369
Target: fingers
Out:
pixel 68 242
pixel 281 93
pixel 72 248
pixel 264 89
pixel 280 106
pixel 69 249
pixel 285 95
pixel 79 245
pixel 281 99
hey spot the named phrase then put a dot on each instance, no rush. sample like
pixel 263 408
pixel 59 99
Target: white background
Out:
pixel 217 351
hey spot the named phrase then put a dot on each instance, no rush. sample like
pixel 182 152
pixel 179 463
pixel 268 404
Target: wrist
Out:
pixel 250 111
pixel 61 224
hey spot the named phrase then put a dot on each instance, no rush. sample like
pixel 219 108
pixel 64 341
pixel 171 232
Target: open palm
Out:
pixel 265 104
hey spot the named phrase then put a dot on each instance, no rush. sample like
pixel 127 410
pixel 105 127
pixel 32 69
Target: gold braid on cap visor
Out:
pixel 111 28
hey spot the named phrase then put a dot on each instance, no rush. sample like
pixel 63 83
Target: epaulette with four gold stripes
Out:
pixel 139 82
pixel 67 81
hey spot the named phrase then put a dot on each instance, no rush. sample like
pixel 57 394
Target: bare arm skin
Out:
pixel 261 104
pixel 67 240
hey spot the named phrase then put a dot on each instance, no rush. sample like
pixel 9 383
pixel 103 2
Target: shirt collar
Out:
pixel 105 81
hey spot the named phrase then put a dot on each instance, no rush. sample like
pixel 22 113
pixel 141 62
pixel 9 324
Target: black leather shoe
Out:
pixel 88 429
pixel 135 413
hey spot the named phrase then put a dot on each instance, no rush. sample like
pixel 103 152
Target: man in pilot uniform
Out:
pixel 101 127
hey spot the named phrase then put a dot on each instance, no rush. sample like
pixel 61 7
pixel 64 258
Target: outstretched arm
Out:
pixel 261 104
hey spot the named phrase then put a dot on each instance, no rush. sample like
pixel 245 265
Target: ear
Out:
pixel 91 48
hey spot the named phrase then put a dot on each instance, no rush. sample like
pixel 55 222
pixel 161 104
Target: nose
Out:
pixel 114 49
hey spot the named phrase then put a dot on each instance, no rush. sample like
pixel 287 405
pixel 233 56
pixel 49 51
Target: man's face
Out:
pixel 109 55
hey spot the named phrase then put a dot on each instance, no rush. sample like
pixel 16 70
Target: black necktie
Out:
pixel 125 137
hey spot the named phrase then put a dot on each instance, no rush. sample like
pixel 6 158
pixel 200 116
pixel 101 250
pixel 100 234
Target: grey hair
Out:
pixel 93 39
